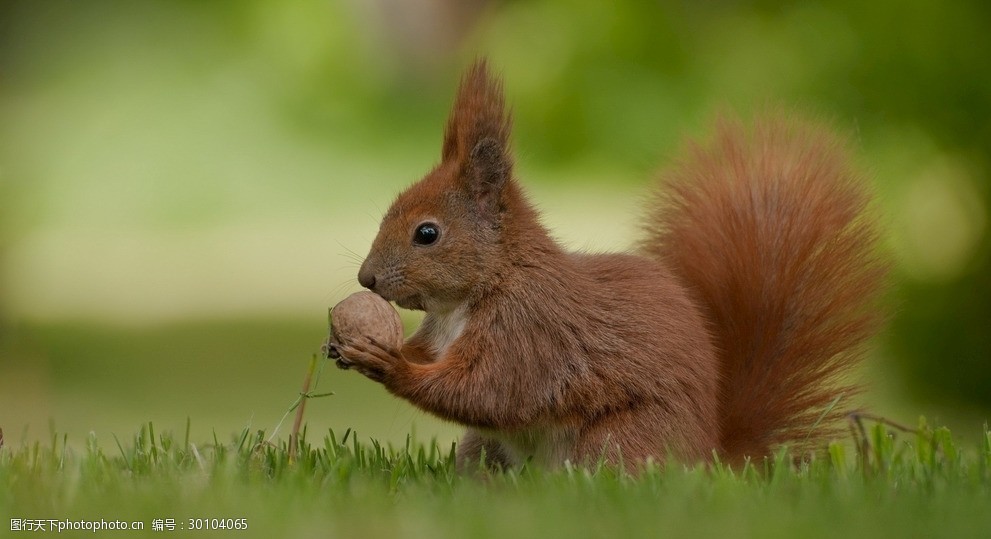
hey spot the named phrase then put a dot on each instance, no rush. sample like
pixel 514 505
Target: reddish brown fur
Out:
pixel 552 355
pixel 480 113
pixel 770 229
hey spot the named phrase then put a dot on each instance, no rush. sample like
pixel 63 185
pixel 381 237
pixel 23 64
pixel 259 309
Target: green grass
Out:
pixel 916 485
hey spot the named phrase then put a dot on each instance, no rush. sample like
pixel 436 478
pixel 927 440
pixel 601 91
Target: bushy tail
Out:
pixel 770 227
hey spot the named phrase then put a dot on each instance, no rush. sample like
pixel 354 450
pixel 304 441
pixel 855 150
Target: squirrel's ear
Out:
pixel 486 175
pixel 479 113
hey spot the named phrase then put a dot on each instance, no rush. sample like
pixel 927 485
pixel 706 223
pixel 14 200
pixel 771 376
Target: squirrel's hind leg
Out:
pixel 474 446
pixel 633 436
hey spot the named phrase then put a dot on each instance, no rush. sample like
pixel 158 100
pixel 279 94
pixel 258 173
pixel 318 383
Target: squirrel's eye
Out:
pixel 426 234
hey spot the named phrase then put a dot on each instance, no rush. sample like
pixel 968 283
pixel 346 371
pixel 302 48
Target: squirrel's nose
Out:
pixel 366 277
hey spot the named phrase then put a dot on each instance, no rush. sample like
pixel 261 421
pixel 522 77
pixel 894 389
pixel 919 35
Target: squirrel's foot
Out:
pixel 371 358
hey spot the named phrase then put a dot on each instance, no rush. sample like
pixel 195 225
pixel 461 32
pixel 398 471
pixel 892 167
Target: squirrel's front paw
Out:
pixel 369 357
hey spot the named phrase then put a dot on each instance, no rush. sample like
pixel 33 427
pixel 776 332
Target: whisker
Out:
pixel 351 262
pixel 350 253
pixel 343 287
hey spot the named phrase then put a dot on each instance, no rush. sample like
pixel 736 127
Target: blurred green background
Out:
pixel 185 187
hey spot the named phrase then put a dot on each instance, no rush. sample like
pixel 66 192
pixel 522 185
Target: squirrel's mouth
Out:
pixel 410 302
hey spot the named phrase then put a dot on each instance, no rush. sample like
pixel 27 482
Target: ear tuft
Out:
pixel 487 173
pixel 479 113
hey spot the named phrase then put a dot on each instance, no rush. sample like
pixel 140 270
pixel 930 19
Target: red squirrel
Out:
pixel 727 331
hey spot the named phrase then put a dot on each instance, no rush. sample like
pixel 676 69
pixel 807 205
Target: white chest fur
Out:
pixel 446 327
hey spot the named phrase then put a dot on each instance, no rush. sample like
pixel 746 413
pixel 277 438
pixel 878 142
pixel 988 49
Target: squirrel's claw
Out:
pixel 368 358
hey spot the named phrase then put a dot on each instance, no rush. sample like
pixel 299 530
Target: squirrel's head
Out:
pixel 441 241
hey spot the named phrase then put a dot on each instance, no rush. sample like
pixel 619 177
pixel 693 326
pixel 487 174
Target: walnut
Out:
pixel 365 314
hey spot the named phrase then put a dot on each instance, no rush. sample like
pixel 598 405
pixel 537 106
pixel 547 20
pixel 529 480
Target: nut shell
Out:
pixel 366 314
